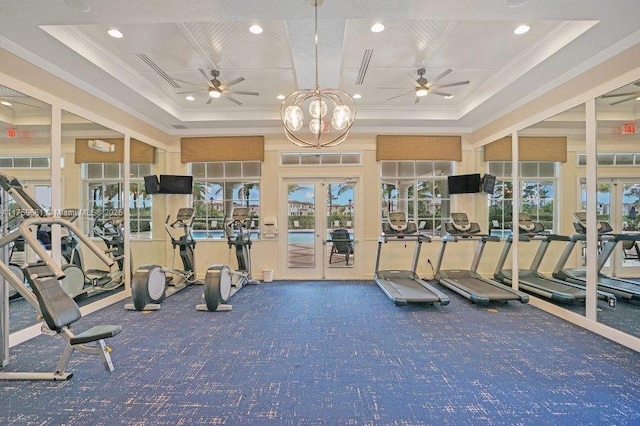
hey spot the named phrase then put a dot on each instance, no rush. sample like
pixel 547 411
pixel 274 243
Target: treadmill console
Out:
pixel 527 226
pixel 397 224
pixel 460 224
pixel 581 224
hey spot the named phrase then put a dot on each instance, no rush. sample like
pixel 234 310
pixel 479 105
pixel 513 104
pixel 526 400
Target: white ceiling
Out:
pixel 166 42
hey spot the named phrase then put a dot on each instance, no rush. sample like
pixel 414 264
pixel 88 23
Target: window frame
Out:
pixel 95 208
pixel 245 177
pixel 504 185
pixel 423 180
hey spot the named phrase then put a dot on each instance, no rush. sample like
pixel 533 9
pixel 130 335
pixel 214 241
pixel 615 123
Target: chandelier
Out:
pixel 316 118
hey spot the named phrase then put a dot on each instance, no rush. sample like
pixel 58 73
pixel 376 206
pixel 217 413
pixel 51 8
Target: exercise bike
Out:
pixel 151 284
pixel 221 282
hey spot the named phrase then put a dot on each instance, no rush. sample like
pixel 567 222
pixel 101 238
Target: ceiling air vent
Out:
pixel 364 65
pixel 180 126
pixel 158 70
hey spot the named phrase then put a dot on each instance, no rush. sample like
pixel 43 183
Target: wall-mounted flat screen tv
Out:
pixel 151 184
pixel 464 184
pixel 176 184
pixel 488 183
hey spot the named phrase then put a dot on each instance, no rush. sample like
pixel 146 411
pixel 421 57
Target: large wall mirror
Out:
pixel 25 125
pixel 93 186
pixel 618 204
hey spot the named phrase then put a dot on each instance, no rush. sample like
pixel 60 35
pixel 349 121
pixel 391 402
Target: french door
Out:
pixel 619 204
pixel 320 231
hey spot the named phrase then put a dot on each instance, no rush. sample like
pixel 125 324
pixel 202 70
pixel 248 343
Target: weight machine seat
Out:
pixel 57 307
pixel 97 332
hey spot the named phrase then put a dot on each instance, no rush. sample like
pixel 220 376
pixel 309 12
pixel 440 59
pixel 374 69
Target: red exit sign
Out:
pixel 629 129
pixel 12 132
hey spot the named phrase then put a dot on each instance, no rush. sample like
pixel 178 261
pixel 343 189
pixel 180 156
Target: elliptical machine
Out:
pixel 150 284
pixel 221 282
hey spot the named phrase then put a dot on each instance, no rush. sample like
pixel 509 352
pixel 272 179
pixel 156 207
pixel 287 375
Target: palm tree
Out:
pixel 342 188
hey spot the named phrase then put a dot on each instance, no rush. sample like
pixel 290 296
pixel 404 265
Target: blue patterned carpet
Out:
pixel 331 353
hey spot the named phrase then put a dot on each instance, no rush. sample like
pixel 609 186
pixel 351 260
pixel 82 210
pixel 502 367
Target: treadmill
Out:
pixel 621 288
pixel 532 281
pixel 469 283
pixel 405 286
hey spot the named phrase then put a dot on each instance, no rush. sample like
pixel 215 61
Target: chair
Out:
pixel 349 224
pixel 336 224
pixel 341 245
pixel 214 224
pixel 296 224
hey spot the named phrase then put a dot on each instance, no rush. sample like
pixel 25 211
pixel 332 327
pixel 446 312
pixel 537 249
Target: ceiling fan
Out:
pixel 628 96
pixel 217 88
pixel 423 87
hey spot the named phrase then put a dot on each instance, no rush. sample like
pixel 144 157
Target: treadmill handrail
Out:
pixel 483 237
pixel 383 238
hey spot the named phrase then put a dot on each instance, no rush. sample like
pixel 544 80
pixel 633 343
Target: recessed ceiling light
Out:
pixel 357 96
pixel 6 103
pixel 377 27
pixel 115 33
pixel 255 29
pixel 521 29
pixel 190 98
pixel 281 97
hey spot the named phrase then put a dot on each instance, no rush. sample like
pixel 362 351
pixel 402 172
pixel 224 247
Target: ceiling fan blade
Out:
pixel 442 75
pixel 209 100
pixel 234 81
pixel 186 82
pixel 401 94
pixel 629 98
pixel 417 100
pixel 459 83
pixel 231 98
pixel 393 88
pixel 242 92
pixel 437 92
pixel 616 95
pixel 192 91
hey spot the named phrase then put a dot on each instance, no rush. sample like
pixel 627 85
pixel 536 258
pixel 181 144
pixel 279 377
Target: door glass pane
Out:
pixel 630 206
pixel 301 226
pixel 340 226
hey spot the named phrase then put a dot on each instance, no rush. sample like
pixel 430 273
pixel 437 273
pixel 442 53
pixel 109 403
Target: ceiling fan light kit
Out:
pixel 327 113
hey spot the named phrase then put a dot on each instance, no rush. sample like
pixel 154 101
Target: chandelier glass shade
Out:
pixel 316 118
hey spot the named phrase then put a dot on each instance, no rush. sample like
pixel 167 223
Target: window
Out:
pixel 218 187
pixel 320 158
pixel 612 158
pixel 105 194
pixel 140 218
pixel 538 189
pixel 24 162
pixel 418 188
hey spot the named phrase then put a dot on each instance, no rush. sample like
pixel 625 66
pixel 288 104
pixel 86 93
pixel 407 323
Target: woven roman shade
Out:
pixel 222 148
pixel 401 147
pixel 530 148
pixel 141 153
